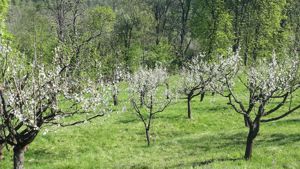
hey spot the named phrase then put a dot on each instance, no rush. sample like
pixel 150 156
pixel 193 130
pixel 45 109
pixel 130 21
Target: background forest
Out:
pixel 130 33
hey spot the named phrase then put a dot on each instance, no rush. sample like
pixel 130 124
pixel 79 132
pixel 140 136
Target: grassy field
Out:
pixel 214 138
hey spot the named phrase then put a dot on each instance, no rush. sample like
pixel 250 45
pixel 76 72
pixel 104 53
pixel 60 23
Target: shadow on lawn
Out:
pixel 238 140
pixel 206 162
pixel 280 139
pixel 217 108
pixel 288 121
pixel 42 152
pixel 129 120
pixel 222 142
pixel 158 117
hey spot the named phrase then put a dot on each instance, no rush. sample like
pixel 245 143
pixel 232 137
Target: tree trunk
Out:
pixel 168 94
pixel 147 136
pixel 1 151
pixel 141 99
pixel 246 122
pixel 157 28
pixel 189 108
pixel 202 96
pixel 115 98
pixel 19 152
pixel 249 146
pixel 253 131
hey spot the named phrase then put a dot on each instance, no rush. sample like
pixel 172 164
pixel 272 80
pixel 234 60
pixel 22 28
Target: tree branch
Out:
pixel 282 116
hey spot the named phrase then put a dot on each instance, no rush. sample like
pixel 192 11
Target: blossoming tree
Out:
pixel 117 77
pixel 195 78
pixel 152 84
pixel 37 95
pixel 199 76
pixel 269 85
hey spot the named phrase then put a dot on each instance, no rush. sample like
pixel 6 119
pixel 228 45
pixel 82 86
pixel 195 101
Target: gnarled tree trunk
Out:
pixel 19 158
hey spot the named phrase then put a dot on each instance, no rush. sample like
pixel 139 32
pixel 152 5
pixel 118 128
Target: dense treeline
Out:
pixel 148 32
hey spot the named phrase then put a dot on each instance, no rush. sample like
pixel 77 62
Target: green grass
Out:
pixel 214 138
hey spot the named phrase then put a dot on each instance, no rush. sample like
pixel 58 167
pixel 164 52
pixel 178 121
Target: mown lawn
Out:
pixel 214 138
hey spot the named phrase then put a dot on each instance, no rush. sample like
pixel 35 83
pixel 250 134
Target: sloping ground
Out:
pixel 214 138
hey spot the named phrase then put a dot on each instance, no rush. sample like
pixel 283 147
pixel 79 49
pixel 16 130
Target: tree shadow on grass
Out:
pixel 42 152
pixel 217 108
pixel 222 142
pixel 159 117
pixel 279 139
pixel 172 118
pixel 266 139
pixel 287 121
pixel 128 120
pixel 205 162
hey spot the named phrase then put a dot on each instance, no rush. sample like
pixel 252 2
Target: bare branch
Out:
pixel 281 116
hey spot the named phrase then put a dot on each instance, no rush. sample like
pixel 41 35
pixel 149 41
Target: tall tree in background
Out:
pixel 293 20
pixel 3 9
pixel 212 26
pixel 33 33
pixel 60 10
pixel 179 32
pixel 257 27
pixel 77 26
pixel 133 23
pixel 160 10
pixel 237 8
pixel 184 43
pixel 92 33
pixel 263 30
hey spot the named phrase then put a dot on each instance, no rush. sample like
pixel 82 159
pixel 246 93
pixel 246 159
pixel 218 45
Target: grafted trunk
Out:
pixel 19 152
pixel 189 107
pixel 148 136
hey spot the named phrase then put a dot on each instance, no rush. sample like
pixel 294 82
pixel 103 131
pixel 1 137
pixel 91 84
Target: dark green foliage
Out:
pixel 3 11
pixel 33 33
pixel 213 26
pixel 135 32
